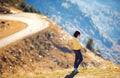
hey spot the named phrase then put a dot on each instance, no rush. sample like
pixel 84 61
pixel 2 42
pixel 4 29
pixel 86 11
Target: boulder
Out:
pixel 84 64
pixel 3 58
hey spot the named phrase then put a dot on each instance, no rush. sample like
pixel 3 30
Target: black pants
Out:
pixel 78 58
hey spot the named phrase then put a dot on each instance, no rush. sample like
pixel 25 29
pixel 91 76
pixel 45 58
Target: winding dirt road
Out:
pixel 35 23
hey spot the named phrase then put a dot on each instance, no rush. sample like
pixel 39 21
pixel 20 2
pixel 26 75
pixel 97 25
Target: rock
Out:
pixel 11 51
pixel 37 37
pixel 6 50
pixel 19 51
pixel 55 48
pixel 26 41
pixel 10 67
pixel 60 63
pixel 49 35
pixel 35 44
pixel 84 64
pixel 18 57
pixel 51 68
pixel 31 60
pixel 41 54
pixel 3 58
pixel 93 63
pixel 8 24
pixel 54 60
pixel 31 47
pixel 98 54
pixel 2 22
pixel 32 41
pixel 65 66
pixel 11 61
pixel 49 45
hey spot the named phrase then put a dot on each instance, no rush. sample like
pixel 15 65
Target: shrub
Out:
pixel 22 5
pixel 90 44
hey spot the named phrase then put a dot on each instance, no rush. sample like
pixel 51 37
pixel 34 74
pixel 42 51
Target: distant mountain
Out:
pixel 96 19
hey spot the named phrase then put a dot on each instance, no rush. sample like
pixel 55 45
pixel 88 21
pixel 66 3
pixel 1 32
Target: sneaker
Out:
pixel 76 70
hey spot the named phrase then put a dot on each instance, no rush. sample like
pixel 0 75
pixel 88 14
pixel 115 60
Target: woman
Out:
pixel 77 49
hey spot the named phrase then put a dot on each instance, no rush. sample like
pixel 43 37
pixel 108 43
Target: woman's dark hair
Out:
pixel 76 34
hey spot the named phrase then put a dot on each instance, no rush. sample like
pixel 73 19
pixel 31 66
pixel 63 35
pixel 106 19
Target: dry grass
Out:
pixel 8 27
pixel 14 9
pixel 84 73
pixel 47 62
pixel 46 67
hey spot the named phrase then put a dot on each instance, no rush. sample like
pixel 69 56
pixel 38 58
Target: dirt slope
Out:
pixel 48 54
pixel 47 50
pixel 8 27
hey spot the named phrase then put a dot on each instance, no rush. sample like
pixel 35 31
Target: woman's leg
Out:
pixel 78 58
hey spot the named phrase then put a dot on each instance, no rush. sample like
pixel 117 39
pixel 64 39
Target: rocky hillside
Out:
pixel 48 50
pixel 87 16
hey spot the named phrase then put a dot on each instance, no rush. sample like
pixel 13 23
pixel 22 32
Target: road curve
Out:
pixel 35 23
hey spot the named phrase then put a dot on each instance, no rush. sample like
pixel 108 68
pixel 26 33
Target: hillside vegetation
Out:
pixel 46 51
pixel 48 54
pixel 19 4
pixel 84 73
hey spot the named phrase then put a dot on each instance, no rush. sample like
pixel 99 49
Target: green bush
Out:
pixel 22 5
pixel 90 45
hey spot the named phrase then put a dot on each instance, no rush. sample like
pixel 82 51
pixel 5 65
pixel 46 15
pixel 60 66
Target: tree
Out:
pixel 32 9
pixel 38 11
pixel 90 44
pixel 22 5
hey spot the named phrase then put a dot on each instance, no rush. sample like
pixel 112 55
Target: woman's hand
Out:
pixel 84 50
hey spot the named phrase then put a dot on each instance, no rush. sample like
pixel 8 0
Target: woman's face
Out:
pixel 78 36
